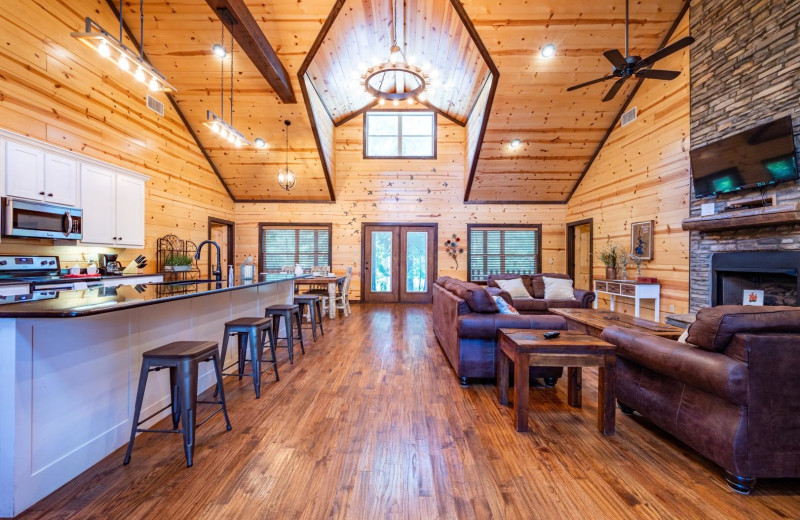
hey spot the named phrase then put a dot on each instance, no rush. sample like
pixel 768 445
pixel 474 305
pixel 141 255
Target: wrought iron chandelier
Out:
pixel 286 177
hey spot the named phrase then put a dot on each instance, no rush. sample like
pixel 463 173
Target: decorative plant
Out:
pixel 610 254
pixel 453 248
pixel 178 259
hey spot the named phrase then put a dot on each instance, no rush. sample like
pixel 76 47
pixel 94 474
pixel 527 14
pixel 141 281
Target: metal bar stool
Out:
pixel 182 358
pixel 314 304
pixel 286 311
pixel 254 331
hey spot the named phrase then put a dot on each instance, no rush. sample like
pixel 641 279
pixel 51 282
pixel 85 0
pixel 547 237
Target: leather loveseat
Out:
pixel 732 392
pixel 466 320
pixel 537 304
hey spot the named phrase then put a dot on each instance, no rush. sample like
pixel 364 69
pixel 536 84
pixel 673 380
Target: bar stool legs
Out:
pixel 276 312
pixel 253 332
pixel 314 304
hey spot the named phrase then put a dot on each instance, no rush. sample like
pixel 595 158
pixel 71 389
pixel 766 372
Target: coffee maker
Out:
pixel 108 264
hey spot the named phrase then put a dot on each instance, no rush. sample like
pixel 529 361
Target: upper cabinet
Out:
pixel 35 174
pixel 130 211
pixel 113 208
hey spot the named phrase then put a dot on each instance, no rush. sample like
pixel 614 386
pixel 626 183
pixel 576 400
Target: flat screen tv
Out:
pixel 758 157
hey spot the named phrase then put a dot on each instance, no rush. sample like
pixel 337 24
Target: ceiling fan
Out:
pixel 628 66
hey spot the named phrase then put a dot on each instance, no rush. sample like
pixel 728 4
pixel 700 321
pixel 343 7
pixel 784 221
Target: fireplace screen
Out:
pixel 779 288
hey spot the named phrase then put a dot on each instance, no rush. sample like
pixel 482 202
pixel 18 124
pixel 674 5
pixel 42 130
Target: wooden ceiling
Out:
pixel 428 31
pixel 560 130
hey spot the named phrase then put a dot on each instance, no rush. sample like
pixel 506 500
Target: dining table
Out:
pixel 331 282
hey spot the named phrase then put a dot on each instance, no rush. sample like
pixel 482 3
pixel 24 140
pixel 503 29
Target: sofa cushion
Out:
pixel 504 306
pixel 485 326
pixel 530 305
pixel 558 288
pixel 478 299
pixel 515 287
pixel 537 284
pixel 563 304
pixel 492 280
pixel 716 326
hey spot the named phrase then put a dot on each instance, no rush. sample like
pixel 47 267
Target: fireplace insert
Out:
pixel 774 272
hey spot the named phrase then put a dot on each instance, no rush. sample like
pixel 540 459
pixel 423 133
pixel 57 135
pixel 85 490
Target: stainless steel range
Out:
pixel 42 272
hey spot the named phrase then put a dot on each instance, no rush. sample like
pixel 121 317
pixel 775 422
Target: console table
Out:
pixel 630 289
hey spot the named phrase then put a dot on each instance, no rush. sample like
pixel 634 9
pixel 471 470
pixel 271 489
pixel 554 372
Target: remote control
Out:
pixel 552 334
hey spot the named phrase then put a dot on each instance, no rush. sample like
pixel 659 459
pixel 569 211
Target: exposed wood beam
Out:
pixel 628 101
pixel 251 39
pixel 174 104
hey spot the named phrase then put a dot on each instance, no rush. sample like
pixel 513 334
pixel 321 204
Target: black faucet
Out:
pixel 217 272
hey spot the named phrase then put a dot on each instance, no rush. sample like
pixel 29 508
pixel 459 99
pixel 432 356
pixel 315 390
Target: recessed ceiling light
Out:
pixel 219 50
pixel 515 143
pixel 548 51
pixel 260 143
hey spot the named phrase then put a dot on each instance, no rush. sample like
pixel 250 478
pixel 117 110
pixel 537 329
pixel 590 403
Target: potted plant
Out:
pixel 178 262
pixel 609 255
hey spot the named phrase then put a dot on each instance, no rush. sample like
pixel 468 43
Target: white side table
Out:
pixel 630 289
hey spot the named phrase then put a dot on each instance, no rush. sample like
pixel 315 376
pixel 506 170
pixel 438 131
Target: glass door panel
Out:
pixel 417 261
pixel 399 263
pixel 381 279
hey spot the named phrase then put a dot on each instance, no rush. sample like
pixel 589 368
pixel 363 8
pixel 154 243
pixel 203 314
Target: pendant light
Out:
pixel 217 123
pixel 125 58
pixel 286 177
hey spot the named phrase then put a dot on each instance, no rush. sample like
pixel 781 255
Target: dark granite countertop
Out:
pixel 99 300
pixel 64 278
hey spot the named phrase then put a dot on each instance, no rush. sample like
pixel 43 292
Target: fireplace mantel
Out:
pixel 755 217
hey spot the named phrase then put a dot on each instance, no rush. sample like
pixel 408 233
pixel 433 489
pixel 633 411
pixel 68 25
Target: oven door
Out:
pixel 41 220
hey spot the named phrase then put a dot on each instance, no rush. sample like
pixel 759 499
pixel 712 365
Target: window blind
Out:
pixel 289 245
pixel 497 249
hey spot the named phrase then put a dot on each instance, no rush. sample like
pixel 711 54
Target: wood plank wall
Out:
pixel 475 125
pixel 56 89
pixel 642 173
pixel 325 130
pixel 371 190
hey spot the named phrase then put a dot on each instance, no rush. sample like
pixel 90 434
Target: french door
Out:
pixel 398 263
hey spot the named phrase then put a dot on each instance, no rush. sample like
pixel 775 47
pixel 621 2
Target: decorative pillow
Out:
pixel 514 287
pixel 504 306
pixel 558 289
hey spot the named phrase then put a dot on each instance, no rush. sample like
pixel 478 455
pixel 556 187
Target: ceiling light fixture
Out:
pixel 515 143
pixel 548 51
pixel 286 177
pixel 219 50
pixel 113 49
pixel 381 79
pixel 260 143
pixel 217 123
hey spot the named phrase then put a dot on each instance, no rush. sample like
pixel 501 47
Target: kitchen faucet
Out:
pixel 217 272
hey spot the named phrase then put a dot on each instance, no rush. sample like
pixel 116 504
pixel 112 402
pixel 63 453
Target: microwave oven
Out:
pixel 31 219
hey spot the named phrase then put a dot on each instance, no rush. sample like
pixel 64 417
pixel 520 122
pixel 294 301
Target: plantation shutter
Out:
pixel 284 246
pixel 502 250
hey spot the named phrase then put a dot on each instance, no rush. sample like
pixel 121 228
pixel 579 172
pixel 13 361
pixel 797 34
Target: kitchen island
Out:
pixel 69 368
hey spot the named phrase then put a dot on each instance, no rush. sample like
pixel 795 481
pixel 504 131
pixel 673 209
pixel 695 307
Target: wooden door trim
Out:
pixel 434 225
pixel 571 248
pixel 231 243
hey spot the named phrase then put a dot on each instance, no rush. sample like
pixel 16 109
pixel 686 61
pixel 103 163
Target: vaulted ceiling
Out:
pixel 560 130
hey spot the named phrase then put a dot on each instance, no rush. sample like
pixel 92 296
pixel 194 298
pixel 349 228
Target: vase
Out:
pixel 611 273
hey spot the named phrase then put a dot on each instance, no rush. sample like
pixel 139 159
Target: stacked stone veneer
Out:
pixel 745 71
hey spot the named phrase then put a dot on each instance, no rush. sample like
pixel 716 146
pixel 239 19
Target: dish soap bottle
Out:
pixel 247 270
pixel 298 270
pixel 231 281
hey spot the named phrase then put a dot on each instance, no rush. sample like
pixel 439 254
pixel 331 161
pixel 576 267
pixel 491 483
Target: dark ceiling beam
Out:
pixel 171 99
pixel 251 39
pixel 627 103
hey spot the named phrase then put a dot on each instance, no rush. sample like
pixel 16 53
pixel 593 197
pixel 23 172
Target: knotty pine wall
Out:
pixel 56 89
pixel 642 173
pixel 370 190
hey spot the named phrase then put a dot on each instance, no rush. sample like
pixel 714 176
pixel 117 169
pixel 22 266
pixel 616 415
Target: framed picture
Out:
pixel 642 239
pixel 753 297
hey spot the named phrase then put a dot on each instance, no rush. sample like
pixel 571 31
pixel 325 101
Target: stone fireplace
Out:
pixel 774 272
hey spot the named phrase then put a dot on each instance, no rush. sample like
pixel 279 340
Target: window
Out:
pixel 397 135
pixel 503 248
pixel 282 245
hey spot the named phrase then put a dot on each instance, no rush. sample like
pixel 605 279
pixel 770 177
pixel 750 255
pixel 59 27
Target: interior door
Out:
pixel 579 248
pixel 399 263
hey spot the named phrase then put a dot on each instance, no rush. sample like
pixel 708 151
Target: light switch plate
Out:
pixel 707 209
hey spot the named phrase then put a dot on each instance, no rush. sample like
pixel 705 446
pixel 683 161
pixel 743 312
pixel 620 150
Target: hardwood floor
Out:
pixel 371 423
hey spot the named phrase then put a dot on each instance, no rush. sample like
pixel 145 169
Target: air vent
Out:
pixel 629 116
pixel 157 106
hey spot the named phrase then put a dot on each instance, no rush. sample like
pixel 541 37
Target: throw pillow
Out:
pixel 504 306
pixel 558 289
pixel 514 287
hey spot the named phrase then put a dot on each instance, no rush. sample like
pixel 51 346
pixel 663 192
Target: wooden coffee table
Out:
pixel 571 349
pixel 593 321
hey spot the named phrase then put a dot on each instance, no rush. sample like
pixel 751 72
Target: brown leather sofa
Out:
pixel 732 393
pixel 535 286
pixel 466 320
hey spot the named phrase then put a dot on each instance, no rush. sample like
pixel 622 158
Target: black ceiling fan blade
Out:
pixel 616 58
pixel 666 51
pixel 598 80
pixel 614 89
pixel 657 74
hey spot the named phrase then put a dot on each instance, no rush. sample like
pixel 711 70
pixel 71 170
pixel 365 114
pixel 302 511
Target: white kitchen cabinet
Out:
pixel 32 173
pixel 98 201
pixel 130 211
pixel 24 171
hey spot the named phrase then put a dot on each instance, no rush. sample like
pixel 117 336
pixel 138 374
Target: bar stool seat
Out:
pixel 255 332
pixel 286 311
pixel 182 358
pixel 314 304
